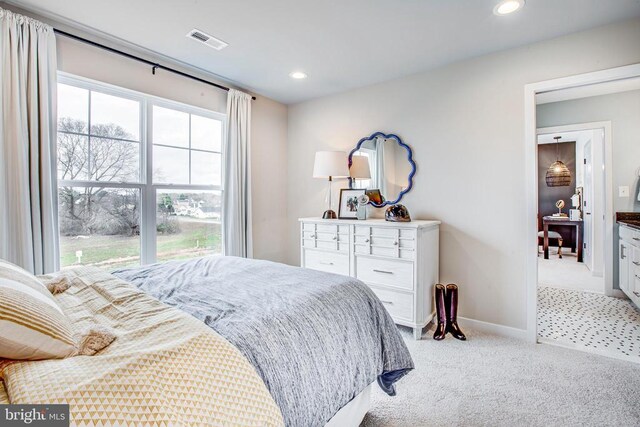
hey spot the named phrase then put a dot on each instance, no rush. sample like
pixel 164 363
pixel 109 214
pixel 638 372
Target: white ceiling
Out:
pixel 340 44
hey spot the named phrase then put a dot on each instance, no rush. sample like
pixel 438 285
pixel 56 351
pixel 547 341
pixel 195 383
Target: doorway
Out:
pixel 582 147
pixel 573 295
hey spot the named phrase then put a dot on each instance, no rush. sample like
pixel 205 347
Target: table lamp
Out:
pixel 329 165
pixel 359 168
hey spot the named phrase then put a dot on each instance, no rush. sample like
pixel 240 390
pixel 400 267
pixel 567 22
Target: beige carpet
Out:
pixel 567 273
pixel 494 381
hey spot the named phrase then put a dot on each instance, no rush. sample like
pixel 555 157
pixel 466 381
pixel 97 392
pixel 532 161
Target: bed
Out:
pixel 218 341
pixel 165 368
pixel 317 340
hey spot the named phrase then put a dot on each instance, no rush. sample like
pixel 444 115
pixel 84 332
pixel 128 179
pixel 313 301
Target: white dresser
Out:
pixel 399 261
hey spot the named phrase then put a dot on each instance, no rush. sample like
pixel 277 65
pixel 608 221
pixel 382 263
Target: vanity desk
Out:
pixel 397 260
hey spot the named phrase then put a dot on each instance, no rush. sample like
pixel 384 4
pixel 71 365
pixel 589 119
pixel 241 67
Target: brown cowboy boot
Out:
pixel 441 311
pixel 451 303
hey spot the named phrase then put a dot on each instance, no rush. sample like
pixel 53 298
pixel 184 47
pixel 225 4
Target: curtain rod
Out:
pixel 154 65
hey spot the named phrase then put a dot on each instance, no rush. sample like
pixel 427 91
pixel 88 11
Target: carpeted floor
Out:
pixel 494 381
pixel 567 273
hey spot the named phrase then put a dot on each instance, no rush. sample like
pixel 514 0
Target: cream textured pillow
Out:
pixel 32 325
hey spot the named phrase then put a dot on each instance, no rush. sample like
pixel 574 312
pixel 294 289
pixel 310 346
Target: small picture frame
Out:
pixel 348 208
pixel 375 196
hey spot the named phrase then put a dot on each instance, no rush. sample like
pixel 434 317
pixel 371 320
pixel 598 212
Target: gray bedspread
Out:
pixel 316 339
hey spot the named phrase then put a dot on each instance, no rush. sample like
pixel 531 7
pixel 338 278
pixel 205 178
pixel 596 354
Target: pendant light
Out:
pixel 558 174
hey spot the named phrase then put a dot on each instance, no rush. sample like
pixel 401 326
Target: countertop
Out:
pixel 630 219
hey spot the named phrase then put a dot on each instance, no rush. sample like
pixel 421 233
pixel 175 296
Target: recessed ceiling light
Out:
pixel 298 75
pixel 506 7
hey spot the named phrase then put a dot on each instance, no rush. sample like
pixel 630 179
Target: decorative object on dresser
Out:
pixel 629 254
pixel 329 165
pixel 397 213
pixel 389 172
pixel 375 197
pixel 363 201
pixel 348 207
pixel 398 261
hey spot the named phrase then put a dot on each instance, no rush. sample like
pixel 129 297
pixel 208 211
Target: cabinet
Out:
pixel 398 261
pixel 629 262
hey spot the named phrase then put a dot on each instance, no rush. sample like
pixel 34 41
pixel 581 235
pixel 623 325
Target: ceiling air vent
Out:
pixel 207 39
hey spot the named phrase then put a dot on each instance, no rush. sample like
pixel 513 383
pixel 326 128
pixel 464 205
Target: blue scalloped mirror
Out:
pixel 384 163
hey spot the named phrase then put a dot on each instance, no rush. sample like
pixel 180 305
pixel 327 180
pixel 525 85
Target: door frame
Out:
pixel 531 173
pixel 609 215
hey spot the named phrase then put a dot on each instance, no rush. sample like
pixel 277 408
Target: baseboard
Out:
pixel 494 328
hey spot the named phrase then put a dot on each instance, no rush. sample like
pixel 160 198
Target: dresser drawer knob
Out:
pixel 335 237
pixel 636 293
pixel 636 262
pixel 386 302
pixel 366 240
pixel 383 271
pixel 637 239
pixel 395 243
pixel 326 263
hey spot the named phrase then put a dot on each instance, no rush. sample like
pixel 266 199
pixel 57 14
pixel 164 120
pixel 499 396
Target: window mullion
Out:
pixel 149 215
pixel 89 138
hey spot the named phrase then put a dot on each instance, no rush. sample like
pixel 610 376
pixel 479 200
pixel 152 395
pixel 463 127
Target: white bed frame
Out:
pixel 352 413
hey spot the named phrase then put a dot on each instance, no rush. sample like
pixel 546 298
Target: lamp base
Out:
pixel 329 214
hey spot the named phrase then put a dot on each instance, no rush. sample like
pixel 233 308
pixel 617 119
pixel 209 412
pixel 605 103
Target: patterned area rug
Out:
pixel 590 322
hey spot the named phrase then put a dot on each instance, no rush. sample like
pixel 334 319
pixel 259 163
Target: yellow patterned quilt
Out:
pixel 164 368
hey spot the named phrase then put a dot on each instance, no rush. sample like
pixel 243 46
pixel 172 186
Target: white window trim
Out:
pixel 148 190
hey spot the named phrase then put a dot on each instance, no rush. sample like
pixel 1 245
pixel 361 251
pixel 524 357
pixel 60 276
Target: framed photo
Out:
pixel 375 196
pixel 348 208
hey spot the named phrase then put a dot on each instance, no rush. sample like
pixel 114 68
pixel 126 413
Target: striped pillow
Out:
pixel 32 325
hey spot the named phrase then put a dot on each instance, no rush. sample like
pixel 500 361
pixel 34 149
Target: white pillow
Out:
pixel 32 325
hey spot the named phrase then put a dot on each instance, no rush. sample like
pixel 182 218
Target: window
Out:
pixel 139 178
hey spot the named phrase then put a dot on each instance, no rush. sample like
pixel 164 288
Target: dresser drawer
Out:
pixel 387 272
pixel 389 232
pixel 630 235
pixel 330 262
pixel 398 304
pixel 330 237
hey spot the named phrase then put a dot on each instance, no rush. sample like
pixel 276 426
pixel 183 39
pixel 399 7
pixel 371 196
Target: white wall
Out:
pixel 623 110
pixel 465 123
pixel 268 130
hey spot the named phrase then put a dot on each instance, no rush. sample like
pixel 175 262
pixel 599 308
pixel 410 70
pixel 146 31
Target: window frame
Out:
pixel 147 188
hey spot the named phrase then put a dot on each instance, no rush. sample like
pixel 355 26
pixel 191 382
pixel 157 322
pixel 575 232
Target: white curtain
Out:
pixel 381 160
pixel 236 205
pixel 28 226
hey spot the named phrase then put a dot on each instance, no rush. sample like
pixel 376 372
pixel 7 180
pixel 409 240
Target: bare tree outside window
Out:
pixel 100 191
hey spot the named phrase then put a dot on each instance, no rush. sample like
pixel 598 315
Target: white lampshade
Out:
pixel 360 167
pixel 331 164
